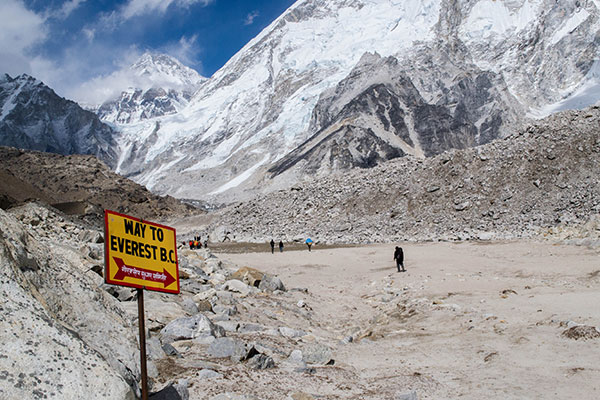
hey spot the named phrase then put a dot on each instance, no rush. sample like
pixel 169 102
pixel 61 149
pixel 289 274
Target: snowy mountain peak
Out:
pixel 158 85
pixel 165 71
pixel 20 80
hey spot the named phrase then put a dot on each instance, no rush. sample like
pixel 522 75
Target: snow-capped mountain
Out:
pixel 161 85
pixel 34 117
pixel 339 84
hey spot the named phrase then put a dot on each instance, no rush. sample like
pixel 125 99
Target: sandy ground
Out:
pixel 467 320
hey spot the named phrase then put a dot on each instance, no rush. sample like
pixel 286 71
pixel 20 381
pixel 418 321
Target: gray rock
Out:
pixel 225 347
pixel 189 306
pixel 121 293
pixel 182 388
pixel 154 349
pixel 225 297
pixel 291 333
pixel 173 391
pixel 261 361
pixel 406 396
pixel 203 340
pixel 190 328
pixel 250 327
pixel 208 374
pixel 221 317
pixel 167 393
pixel 296 357
pixel 229 326
pixel 237 286
pixel 33 339
pixel 316 353
pixel 223 309
pixel 170 350
pixel 234 396
pixel 271 283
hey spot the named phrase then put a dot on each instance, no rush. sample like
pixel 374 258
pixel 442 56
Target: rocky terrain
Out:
pixel 541 180
pixel 66 334
pixel 77 184
pixel 340 325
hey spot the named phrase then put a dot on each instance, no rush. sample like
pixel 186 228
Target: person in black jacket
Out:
pixel 399 257
pixel 272 246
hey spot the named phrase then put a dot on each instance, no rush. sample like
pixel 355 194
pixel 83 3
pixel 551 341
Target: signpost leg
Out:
pixel 142 324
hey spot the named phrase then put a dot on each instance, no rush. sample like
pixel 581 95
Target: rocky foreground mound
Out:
pixel 542 180
pixel 65 334
pixel 77 184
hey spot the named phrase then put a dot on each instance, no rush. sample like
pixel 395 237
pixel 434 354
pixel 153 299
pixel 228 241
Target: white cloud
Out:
pixel 141 7
pixel 68 7
pixel 185 50
pixel 250 18
pixel 89 33
pixel 20 29
pixel 100 88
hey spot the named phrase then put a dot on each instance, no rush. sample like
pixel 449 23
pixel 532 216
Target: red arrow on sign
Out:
pixel 141 273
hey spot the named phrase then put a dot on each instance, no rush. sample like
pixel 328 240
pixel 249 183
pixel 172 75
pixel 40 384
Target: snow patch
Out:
pixel 219 155
pixel 581 96
pixel 570 25
pixel 241 177
pixel 490 19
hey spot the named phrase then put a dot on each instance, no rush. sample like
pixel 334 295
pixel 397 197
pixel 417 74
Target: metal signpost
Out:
pixel 142 255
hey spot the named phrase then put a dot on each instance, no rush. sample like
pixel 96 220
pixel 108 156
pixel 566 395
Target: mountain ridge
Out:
pixel 36 118
pixel 261 106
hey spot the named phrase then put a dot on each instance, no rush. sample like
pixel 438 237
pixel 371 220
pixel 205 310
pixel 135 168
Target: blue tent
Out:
pixel 309 240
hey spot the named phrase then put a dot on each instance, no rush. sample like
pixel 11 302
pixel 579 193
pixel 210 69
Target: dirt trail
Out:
pixel 466 320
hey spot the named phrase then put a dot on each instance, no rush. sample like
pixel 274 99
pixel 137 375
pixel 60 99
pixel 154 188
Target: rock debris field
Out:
pixel 471 320
pixel 541 181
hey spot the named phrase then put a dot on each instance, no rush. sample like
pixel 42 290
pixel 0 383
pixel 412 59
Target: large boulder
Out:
pixel 249 276
pixel 271 283
pixel 316 353
pixel 237 286
pixel 190 328
pixel 225 347
pixel 44 296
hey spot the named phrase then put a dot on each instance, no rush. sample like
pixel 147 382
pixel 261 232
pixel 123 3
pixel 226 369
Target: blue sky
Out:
pixel 66 43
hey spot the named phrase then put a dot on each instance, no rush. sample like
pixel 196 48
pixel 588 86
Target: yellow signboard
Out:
pixel 140 254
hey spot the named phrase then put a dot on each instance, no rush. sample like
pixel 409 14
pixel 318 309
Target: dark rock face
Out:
pixel 34 117
pixel 377 113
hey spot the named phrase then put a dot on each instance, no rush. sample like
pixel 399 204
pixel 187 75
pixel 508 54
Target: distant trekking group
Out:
pixel 196 243
pixel 272 243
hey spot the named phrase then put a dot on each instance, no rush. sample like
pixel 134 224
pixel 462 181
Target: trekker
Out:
pixel 280 246
pixel 399 257
pixel 191 245
pixel 309 243
pixel 272 246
